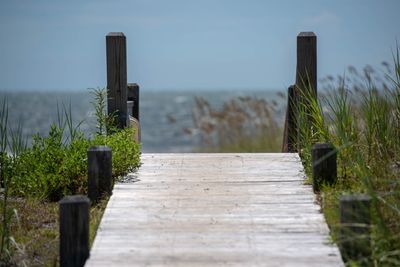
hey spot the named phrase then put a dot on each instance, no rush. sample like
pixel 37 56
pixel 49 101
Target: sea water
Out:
pixel 165 115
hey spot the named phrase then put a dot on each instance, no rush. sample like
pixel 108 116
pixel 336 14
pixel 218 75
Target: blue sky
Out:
pixel 188 44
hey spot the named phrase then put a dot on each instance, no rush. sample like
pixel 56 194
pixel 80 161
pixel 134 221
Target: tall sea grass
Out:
pixel 359 116
pixel 11 142
pixel 359 113
pixel 245 124
pixel 4 230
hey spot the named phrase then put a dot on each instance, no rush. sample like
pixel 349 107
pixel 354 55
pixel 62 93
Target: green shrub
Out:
pixel 54 166
pixel 52 169
pixel 125 151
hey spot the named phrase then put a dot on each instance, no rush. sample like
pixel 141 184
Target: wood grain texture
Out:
pixel 74 230
pixel 306 70
pixel 117 76
pixel 355 230
pixel 133 95
pixel 290 134
pixel 99 172
pixel 324 165
pixel 214 210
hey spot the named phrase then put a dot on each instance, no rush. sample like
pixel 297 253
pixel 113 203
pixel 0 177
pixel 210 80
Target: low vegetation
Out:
pixel 359 113
pixel 34 178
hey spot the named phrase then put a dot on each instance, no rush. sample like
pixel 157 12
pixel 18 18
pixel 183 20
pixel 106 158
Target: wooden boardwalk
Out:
pixel 214 210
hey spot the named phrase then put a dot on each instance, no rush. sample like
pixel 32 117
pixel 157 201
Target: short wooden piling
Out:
pixel 133 95
pixel 324 166
pixel 355 219
pixel 74 231
pixel 99 172
pixel 117 77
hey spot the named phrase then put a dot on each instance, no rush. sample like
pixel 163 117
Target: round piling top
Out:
pixel 322 146
pixel 133 85
pixel 99 148
pixel 306 34
pixel 74 199
pixel 354 197
pixel 115 34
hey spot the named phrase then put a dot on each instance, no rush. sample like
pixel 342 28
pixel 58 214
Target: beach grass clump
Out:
pixel 243 124
pixel 359 114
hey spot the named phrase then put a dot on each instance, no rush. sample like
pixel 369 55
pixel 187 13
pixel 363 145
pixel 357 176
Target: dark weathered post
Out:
pixel 324 168
pixel 306 76
pixel 99 172
pixel 291 131
pixel 117 77
pixel 304 89
pixel 74 231
pixel 133 95
pixel 306 70
pixel 355 219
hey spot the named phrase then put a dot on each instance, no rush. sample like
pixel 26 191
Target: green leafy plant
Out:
pixel 54 166
pixel 51 168
pixel 99 105
pixel 125 150
pixel 105 123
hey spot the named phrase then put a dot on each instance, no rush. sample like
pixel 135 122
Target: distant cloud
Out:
pixel 325 19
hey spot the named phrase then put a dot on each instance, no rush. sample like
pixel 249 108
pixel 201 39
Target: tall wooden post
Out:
pixel 324 166
pixel 355 219
pixel 306 70
pixel 133 95
pixel 304 89
pixel 99 172
pixel 306 77
pixel 74 231
pixel 117 77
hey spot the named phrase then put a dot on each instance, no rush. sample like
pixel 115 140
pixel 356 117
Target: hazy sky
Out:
pixel 186 44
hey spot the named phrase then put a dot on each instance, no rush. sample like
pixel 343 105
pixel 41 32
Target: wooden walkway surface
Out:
pixel 214 210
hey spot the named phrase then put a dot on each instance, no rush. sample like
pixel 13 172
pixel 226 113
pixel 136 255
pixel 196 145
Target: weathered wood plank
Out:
pixel 214 210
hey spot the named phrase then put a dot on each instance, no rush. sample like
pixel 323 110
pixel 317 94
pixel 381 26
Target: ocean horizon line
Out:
pixel 74 90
